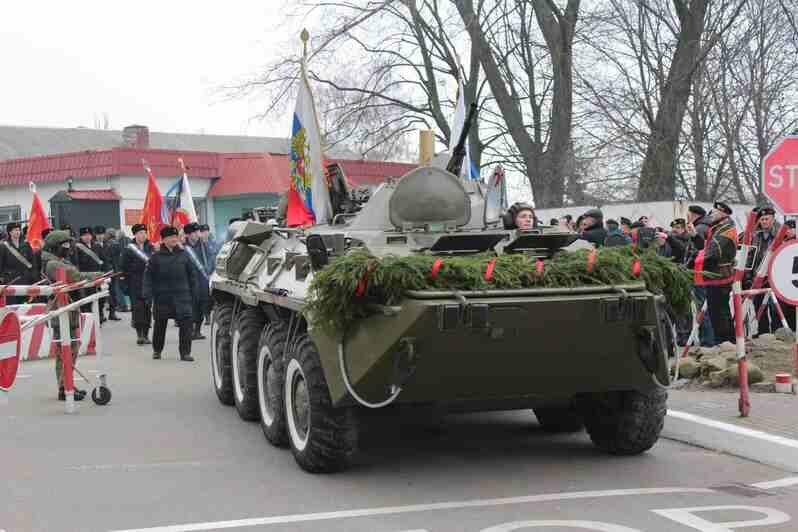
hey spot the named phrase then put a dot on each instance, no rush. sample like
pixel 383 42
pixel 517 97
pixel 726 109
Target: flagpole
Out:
pixel 179 192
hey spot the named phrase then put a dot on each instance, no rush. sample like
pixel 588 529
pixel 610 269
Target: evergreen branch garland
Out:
pixel 333 303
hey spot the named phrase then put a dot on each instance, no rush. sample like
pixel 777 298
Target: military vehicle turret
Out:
pixel 585 356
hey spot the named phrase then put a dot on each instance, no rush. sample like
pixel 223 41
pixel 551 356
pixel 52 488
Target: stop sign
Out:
pixel 9 348
pixel 780 176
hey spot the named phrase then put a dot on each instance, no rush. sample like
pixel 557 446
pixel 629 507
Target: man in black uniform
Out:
pixel 169 281
pixel 16 261
pixel 200 256
pixel 87 259
pixel 105 250
pixel 763 239
pixel 132 263
pixel 720 250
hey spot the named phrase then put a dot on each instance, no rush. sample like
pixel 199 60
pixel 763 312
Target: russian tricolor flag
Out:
pixel 308 193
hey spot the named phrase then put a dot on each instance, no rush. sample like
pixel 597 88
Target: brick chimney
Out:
pixel 136 136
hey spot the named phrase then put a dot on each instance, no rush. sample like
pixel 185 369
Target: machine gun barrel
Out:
pixel 458 153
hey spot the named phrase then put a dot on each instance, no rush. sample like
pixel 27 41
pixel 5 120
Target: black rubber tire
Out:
pixel 271 369
pixel 559 419
pixel 221 372
pixel 101 395
pixel 329 441
pixel 244 358
pixel 625 423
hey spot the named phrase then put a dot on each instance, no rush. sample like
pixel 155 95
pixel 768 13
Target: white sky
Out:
pixel 157 63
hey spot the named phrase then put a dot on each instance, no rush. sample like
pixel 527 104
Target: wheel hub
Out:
pixel 266 374
pixel 301 405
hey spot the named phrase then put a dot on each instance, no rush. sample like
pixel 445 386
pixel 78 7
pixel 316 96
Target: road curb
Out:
pixel 746 443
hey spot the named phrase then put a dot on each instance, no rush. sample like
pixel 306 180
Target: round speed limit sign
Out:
pixel 784 273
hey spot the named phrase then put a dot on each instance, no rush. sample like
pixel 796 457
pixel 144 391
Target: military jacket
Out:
pixel 133 266
pixel 11 267
pixel 721 248
pixel 51 265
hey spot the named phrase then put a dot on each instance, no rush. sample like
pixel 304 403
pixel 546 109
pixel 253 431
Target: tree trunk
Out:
pixel 658 176
pixel 544 169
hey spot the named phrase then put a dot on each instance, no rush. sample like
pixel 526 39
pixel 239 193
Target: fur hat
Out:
pixel 722 207
pixel 697 209
pixel 168 231
pixel 138 227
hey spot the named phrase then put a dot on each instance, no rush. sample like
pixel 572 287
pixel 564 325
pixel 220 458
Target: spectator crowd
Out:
pixel 704 242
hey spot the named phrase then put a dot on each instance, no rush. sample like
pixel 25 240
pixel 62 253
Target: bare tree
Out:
pixel 383 69
pixel 497 43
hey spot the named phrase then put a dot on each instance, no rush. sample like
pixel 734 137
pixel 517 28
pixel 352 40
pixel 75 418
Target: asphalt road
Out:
pixel 165 455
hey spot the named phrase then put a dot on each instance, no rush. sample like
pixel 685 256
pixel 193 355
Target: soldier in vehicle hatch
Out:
pixel 58 246
pixel 170 281
pixel 520 216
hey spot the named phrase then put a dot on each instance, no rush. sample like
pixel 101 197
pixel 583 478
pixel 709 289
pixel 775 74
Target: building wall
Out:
pixel 226 208
pixel 131 190
pixel 22 196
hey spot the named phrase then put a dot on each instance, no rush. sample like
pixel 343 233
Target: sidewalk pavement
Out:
pixel 774 413
pixel 711 419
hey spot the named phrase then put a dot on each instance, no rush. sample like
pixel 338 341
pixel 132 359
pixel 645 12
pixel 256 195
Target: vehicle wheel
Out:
pixel 625 423
pixel 271 368
pixel 323 439
pixel 221 374
pixel 559 419
pixel 244 349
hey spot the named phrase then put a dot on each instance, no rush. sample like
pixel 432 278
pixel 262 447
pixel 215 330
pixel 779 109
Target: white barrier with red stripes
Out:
pixel 37 341
pixel 36 318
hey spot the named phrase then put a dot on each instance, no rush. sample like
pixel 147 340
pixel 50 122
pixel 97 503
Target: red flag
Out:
pixel 37 221
pixel 153 201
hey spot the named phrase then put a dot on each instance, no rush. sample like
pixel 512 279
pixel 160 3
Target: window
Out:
pixel 10 213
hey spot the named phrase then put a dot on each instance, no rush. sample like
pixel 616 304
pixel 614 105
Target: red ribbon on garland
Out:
pixel 539 267
pixel 591 260
pixel 363 283
pixel 436 267
pixel 636 268
pixel 489 270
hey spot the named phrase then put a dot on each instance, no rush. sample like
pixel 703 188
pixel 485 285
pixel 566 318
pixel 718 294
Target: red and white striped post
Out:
pixel 744 403
pixel 66 345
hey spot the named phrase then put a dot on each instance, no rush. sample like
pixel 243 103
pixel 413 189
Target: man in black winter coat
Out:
pixel 591 227
pixel 201 260
pixel 698 224
pixel 170 281
pixel 17 261
pixel 132 264
pixel 678 240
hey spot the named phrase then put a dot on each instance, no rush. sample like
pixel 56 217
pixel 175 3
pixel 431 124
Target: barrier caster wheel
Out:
pixel 101 395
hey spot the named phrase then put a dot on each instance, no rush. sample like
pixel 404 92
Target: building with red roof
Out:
pixel 77 171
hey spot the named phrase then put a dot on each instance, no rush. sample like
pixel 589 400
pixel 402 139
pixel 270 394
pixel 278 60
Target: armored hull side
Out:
pixel 537 347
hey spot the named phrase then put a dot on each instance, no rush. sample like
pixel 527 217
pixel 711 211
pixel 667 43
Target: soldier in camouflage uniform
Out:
pixel 58 246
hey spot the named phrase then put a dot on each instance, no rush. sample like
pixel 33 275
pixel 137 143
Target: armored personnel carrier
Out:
pixel 585 356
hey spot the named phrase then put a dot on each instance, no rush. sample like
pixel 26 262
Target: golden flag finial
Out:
pixel 305 36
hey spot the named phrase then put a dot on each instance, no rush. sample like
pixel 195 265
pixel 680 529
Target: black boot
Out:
pixel 79 394
pixel 144 333
pixel 197 332
pixel 139 337
pixel 187 358
pixel 156 356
